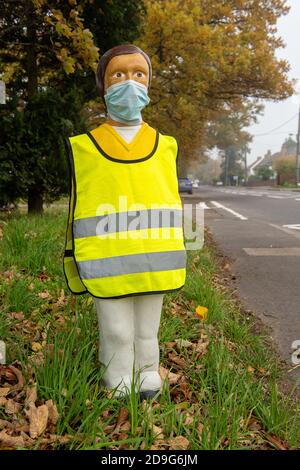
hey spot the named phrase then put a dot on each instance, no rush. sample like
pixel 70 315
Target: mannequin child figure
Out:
pixel 124 240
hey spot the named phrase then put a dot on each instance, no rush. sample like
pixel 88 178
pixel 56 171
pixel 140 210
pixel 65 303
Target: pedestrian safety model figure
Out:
pixel 124 239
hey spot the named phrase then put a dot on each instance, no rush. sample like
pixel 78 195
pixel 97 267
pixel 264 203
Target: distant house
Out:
pixel 251 168
pixel 289 147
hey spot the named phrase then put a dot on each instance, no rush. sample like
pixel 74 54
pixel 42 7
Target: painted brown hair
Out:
pixel 113 52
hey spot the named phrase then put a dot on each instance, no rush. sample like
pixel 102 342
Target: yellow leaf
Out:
pixel 202 312
pixel 36 346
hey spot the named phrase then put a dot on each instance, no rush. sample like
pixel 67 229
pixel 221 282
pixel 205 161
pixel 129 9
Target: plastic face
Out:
pixel 126 67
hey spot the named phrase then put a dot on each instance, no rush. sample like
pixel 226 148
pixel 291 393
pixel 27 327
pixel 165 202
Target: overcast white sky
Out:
pixel 277 113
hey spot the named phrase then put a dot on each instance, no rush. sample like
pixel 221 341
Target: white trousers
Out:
pixel 128 329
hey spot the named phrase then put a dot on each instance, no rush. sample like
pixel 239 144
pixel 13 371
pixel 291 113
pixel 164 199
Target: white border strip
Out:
pixel 217 204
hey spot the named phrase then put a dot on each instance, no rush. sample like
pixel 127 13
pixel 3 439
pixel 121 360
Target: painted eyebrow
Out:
pixel 121 69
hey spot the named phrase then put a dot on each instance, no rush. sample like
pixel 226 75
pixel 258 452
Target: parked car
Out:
pixel 185 185
pixel 219 183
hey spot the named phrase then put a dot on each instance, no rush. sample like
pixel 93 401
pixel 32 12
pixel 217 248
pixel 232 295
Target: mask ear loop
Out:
pixel 105 107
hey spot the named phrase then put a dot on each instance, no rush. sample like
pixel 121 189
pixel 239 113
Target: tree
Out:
pixel 32 155
pixel 228 135
pixel 208 55
pixel 209 171
pixel 47 44
pixel 285 167
pixel 264 172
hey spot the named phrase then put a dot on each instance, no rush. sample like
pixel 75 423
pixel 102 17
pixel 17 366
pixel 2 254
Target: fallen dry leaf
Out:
pixel 4 391
pixel 5 424
pixel 37 358
pixel 179 443
pixel 42 277
pixel 165 374
pixel 38 418
pixel 45 294
pixel 3 401
pixel 12 375
pixel 253 425
pixel 125 426
pixel 157 431
pixel 201 347
pixel 123 416
pixel 31 395
pixel 52 412
pixel 183 343
pixel 122 419
pixel 109 428
pixel 61 299
pixel 184 388
pixel 180 361
pixel 12 407
pixel 16 315
pixel 9 275
pixel 170 344
pixel 7 373
pixel 21 427
pixel 188 420
pixel 200 431
pixel 276 442
pixel 52 438
pixel 11 441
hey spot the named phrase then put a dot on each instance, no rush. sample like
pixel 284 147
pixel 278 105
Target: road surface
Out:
pixel 260 230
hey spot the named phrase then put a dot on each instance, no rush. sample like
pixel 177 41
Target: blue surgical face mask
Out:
pixel 125 100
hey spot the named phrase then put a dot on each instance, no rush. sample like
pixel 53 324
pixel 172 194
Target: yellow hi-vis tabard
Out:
pixel 125 232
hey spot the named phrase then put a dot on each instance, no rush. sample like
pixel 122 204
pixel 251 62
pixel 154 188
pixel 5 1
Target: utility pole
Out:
pixel 298 150
pixel 226 166
pixel 246 169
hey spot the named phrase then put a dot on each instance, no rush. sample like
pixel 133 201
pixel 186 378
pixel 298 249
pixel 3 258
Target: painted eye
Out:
pixel 140 74
pixel 117 74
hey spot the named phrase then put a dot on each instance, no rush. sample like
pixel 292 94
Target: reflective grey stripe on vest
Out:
pixel 124 221
pixel 142 262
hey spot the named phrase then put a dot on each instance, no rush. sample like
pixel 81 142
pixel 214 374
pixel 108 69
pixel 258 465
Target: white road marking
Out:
pixel 286 230
pixel 276 251
pixel 217 204
pixel 203 205
pixel 286 195
pixel 293 226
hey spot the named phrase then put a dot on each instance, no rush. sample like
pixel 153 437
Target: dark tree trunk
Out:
pixel 35 201
pixel 35 194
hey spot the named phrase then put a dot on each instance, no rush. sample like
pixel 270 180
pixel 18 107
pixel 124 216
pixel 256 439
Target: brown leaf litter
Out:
pixel 29 420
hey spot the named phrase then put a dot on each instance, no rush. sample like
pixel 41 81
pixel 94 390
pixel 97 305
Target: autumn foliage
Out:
pixel 209 56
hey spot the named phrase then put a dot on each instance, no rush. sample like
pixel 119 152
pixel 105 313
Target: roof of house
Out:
pixel 255 163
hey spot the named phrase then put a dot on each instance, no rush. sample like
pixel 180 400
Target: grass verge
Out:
pixel 221 376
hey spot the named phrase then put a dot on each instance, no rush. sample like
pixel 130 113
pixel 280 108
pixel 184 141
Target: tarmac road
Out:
pixel 260 229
